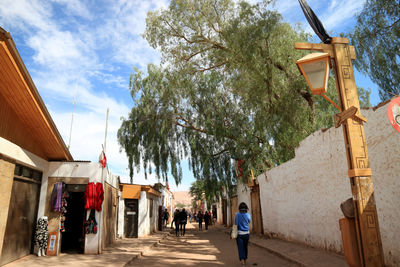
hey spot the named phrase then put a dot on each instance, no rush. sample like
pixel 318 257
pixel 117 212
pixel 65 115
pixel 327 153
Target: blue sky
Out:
pixel 87 49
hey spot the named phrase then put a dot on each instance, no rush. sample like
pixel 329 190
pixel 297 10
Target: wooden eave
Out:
pixel 26 108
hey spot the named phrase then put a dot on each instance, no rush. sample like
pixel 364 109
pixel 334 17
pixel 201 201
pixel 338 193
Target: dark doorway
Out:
pixel 73 239
pixel 224 212
pixel 131 218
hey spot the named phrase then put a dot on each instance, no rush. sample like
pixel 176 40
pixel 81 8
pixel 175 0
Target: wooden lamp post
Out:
pixel 340 55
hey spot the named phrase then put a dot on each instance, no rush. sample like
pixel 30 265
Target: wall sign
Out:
pixel 393 113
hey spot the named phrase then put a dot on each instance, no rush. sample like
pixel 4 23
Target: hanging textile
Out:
pixel 91 224
pixel 42 233
pixel 94 196
pixel 56 196
pixel 64 205
pixel 99 196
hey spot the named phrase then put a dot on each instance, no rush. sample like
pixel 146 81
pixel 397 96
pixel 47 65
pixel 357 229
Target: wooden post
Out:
pixel 367 226
pixel 369 239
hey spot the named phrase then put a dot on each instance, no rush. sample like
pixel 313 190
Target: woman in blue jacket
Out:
pixel 242 220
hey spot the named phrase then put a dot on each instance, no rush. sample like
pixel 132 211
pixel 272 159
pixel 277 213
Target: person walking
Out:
pixel 182 221
pixel 200 218
pixel 206 219
pixel 165 218
pixel 242 220
pixel 176 220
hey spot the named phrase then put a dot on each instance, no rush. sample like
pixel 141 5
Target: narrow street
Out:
pixel 204 248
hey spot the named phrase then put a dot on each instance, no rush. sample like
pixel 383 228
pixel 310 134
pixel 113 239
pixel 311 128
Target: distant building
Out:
pixel 139 210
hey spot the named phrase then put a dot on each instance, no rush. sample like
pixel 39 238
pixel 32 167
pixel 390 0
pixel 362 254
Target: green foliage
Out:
pixel 364 97
pixel 180 205
pixel 376 38
pixel 228 88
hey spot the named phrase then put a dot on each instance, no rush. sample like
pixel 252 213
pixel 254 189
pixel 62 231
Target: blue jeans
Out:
pixel 242 242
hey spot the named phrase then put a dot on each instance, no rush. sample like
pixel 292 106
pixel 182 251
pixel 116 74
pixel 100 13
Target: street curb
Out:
pixel 276 253
pixel 140 254
pixel 279 254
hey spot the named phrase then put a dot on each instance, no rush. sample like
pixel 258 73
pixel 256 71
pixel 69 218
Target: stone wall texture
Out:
pixel 300 199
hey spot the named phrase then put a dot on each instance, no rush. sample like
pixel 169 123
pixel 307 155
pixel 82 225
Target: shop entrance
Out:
pixel 73 239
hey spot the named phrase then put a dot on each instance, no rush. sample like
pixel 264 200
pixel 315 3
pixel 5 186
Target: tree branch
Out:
pixel 220 152
pixel 213 67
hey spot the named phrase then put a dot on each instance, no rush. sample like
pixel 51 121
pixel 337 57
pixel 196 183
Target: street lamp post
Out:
pixel 341 55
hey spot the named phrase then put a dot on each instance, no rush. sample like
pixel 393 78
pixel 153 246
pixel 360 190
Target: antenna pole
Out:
pixel 72 119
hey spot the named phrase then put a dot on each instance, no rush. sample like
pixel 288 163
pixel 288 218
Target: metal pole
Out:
pixel 102 182
pixel 72 119
pixel 105 135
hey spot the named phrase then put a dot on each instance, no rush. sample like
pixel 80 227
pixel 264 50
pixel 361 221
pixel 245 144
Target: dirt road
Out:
pixel 204 248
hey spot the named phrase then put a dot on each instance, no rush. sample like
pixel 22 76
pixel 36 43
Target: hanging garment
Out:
pixel 91 224
pixel 99 196
pixel 56 197
pixel 41 234
pixel 94 196
pixel 64 205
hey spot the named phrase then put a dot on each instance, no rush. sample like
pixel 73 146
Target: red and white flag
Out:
pixel 103 159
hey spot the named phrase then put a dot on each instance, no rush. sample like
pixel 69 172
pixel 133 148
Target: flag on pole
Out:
pixel 103 159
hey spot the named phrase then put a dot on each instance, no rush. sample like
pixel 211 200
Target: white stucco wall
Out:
pixel 143 220
pixel 121 215
pixel 244 194
pixel 22 156
pixel 300 199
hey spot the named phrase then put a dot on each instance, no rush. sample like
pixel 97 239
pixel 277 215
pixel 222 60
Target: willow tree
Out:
pixel 376 38
pixel 227 89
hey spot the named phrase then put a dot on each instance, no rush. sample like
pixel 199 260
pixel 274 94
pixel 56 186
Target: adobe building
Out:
pixel 139 210
pixel 33 157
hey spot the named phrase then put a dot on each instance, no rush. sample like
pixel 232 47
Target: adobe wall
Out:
pixel 300 199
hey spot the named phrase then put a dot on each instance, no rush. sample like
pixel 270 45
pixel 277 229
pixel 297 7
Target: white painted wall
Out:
pixel 143 220
pixel 219 211
pixel 300 199
pixel 22 156
pixel 244 194
pixel 121 215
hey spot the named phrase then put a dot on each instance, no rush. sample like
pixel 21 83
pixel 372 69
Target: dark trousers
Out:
pixel 176 228
pixel 200 224
pixel 242 242
pixel 183 228
pixel 206 223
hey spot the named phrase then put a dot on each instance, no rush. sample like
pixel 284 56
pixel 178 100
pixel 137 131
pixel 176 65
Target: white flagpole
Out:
pixel 72 119
pixel 102 182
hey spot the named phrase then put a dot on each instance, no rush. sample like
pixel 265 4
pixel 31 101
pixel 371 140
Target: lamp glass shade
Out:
pixel 315 68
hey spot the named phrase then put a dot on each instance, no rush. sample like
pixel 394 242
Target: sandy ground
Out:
pixel 204 248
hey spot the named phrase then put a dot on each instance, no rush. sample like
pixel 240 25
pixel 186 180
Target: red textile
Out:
pixel 94 196
pixel 100 196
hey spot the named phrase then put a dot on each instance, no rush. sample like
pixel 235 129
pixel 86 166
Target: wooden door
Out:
pixel 234 208
pixel 21 221
pixel 109 215
pixel 131 218
pixel 256 210
pixel 224 212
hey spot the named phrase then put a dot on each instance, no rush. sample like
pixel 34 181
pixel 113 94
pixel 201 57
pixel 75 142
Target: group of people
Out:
pixel 242 220
pixel 180 220
pixel 206 217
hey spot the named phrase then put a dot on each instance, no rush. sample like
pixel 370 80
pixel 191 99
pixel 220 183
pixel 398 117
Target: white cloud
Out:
pixel 23 14
pixel 75 7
